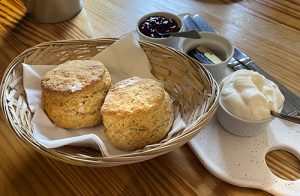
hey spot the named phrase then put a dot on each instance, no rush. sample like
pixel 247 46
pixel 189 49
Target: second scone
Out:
pixel 137 112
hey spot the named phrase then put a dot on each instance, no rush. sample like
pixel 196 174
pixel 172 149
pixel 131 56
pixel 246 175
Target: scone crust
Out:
pixel 74 75
pixel 137 112
pixel 73 93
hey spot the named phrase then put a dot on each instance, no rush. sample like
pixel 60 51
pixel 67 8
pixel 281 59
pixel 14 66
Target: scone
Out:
pixel 73 93
pixel 137 112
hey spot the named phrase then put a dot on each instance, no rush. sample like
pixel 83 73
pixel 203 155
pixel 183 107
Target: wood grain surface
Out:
pixel 268 31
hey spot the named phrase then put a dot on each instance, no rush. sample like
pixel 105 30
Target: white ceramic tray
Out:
pixel 241 160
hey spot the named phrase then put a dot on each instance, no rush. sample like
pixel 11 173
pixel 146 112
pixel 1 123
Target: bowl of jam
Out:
pixel 151 26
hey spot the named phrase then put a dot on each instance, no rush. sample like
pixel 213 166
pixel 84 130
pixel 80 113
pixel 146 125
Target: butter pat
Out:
pixel 209 54
pixel 250 96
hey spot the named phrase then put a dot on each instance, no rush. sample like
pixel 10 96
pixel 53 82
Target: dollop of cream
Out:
pixel 249 95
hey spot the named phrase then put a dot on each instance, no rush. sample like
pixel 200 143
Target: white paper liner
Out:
pixel 123 59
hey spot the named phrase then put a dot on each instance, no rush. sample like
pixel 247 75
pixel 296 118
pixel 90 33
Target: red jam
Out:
pixel 158 24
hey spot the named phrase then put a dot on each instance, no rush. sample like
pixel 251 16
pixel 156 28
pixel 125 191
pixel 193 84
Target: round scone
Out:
pixel 137 112
pixel 73 93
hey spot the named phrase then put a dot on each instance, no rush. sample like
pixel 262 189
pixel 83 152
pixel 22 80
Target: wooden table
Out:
pixel 268 31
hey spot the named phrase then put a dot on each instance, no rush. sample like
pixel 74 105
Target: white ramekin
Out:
pixel 221 46
pixel 238 126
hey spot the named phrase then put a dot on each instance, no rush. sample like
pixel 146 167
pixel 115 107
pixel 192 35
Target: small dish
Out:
pixel 218 44
pixel 169 41
pixel 238 126
pixel 236 119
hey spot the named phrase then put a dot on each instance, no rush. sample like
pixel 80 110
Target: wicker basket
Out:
pixel 189 84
